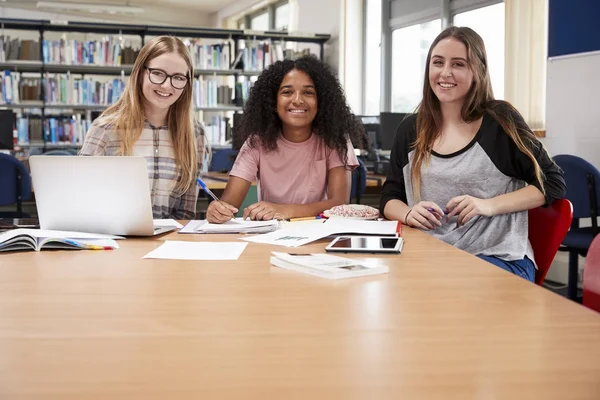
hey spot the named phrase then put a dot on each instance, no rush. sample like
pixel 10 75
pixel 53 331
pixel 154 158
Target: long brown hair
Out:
pixel 126 115
pixel 479 99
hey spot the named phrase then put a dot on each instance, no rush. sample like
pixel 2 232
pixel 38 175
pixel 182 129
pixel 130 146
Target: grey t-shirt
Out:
pixel 489 166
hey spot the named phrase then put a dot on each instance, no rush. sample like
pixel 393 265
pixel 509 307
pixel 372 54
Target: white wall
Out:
pixel 572 121
pixel 572 111
pixel 343 52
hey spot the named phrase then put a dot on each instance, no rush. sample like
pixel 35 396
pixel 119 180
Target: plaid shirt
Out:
pixel 156 147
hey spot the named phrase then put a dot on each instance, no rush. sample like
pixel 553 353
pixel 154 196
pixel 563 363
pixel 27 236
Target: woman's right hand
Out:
pixel 424 215
pixel 219 212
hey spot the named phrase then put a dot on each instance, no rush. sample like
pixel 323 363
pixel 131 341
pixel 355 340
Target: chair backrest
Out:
pixel 58 153
pixel 222 160
pixel 359 179
pixel 591 276
pixel 577 177
pixel 547 229
pixel 10 168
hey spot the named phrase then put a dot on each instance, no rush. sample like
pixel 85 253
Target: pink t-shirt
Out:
pixel 294 173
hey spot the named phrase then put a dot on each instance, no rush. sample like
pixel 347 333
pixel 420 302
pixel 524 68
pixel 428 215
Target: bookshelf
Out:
pixel 46 100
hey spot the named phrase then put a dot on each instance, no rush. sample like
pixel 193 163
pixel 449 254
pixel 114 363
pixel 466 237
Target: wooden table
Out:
pixel 441 325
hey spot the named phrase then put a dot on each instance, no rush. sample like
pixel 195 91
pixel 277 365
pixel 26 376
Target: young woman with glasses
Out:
pixel 154 119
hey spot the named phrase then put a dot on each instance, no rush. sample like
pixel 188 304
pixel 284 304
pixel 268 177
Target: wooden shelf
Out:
pixel 90 69
pixel 21 65
pixel 23 104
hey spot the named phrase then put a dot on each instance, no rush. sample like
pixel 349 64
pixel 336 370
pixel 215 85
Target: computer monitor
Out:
pixel 7 125
pixel 371 124
pixel 388 124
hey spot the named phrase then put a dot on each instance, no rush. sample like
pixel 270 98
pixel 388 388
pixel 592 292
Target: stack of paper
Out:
pixel 236 225
pixel 325 265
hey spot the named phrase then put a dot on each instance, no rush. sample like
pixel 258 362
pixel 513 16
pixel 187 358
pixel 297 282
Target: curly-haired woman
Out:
pixel 298 130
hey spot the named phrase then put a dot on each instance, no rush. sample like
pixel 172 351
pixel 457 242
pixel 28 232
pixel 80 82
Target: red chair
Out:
pixel 591 276
pixel 547 229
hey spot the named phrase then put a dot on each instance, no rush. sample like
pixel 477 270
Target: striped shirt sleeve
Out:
pixel 95 142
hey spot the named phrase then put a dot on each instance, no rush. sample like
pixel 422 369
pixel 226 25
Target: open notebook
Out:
pixel 39 239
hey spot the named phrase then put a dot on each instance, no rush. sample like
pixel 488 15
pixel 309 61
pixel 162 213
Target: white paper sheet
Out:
pixel 178 250
pixel 299 235
pixel 167 222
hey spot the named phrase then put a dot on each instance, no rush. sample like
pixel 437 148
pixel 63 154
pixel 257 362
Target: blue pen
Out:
pixel 207 190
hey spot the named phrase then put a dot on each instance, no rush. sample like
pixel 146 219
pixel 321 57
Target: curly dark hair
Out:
pixel 334 121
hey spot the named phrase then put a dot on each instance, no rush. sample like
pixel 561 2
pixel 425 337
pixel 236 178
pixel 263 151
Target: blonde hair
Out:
pixel 126 115
pixel 479 99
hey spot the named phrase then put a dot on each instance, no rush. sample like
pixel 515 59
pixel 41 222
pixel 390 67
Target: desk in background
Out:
pixel 441 325
pixel 218 181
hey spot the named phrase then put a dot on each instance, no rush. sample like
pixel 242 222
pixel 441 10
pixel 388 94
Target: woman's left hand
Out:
pixel 467 207
pixel 263 211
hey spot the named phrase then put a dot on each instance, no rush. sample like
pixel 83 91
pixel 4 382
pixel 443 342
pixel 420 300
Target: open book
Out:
pixel 325 265
pixel 39 239
pixel 236 225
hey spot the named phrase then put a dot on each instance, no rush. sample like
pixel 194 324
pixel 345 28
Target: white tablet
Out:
pixel 366 244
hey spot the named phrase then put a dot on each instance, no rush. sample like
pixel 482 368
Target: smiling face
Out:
pixel 450 75
pixel 163 95
pixel 297 100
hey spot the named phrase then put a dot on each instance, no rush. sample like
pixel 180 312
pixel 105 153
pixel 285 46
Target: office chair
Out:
pixel 15 185
pixel 591 276
pixel 583 191
pixel 547 229
pixel 59 153
pixel 359 181
pixel 222 160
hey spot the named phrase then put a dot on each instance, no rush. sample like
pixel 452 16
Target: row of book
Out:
pixel 254 55
pixel 210 56
pixel 71 89
pixel 18 49
pixel 208 93
pixel 257 56
pixel 10 87
pixel 72 130
pixel 67 89
pixel 216 129
pixel 52 130
pixel 107 51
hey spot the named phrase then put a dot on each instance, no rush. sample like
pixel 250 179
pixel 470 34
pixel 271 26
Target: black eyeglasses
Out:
pixel 158 77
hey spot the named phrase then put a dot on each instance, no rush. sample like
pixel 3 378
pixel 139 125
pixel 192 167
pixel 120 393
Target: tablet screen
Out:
pixel 365 243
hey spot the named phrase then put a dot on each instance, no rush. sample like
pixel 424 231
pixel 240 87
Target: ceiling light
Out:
pixel 90 8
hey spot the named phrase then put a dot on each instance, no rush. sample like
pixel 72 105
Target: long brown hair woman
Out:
pixel 154 119
pixel 466 168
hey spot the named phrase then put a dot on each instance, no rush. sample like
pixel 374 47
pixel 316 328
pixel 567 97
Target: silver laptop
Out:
pixel 94 194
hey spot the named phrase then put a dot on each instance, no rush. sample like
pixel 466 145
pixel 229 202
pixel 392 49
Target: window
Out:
pixel 410 46
pixel 488 22
pixel 260 22
pixel 372 80
pixel 282 17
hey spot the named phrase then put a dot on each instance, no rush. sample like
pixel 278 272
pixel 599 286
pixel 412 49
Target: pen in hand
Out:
pixel 220 205
pixel 207 190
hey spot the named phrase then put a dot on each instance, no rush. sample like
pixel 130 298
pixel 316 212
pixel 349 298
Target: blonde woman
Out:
pixel 466 168
pixel 154 119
